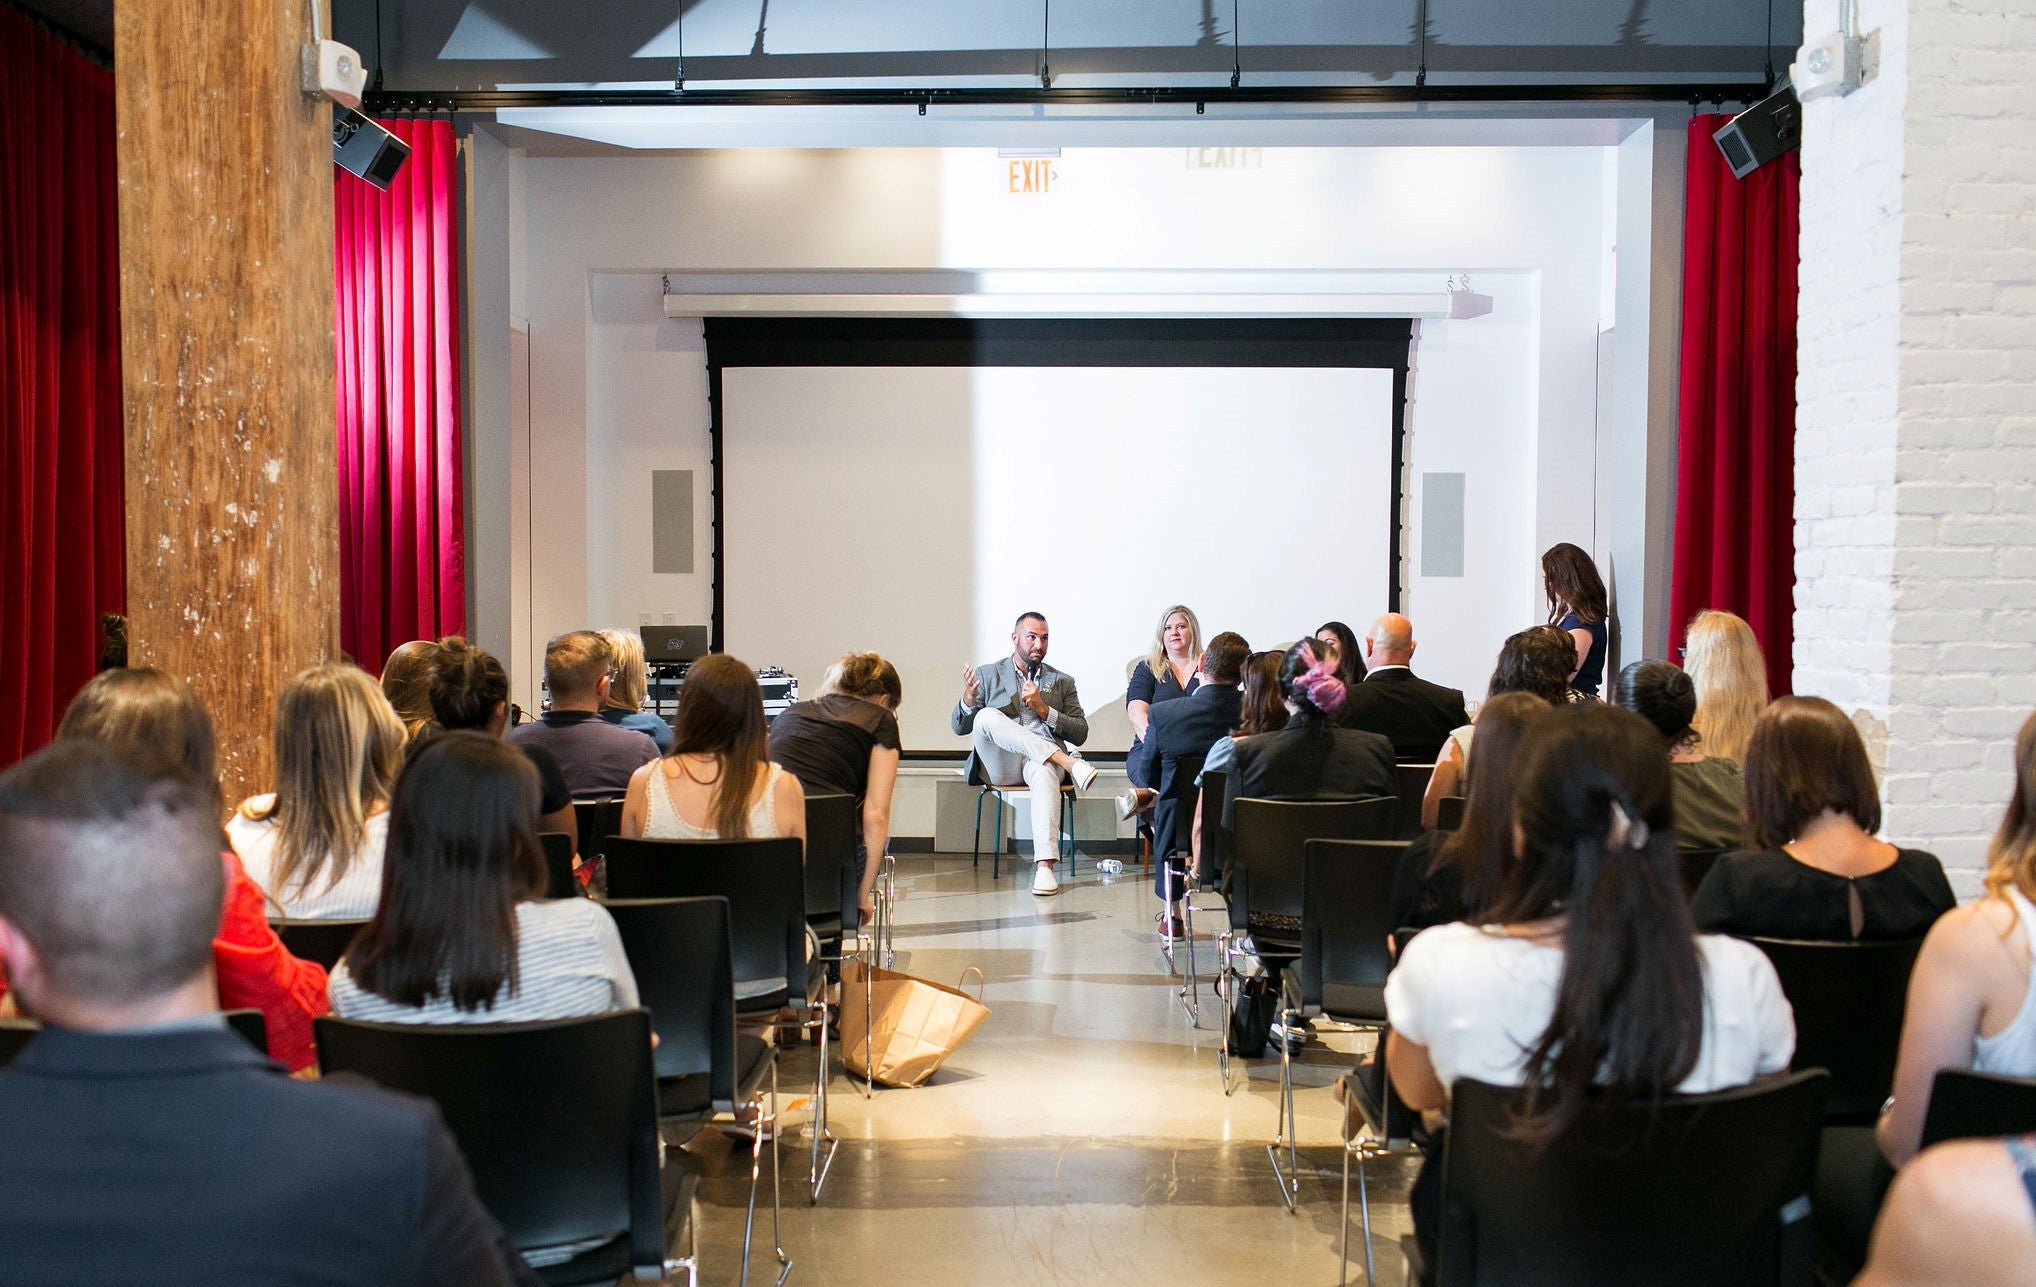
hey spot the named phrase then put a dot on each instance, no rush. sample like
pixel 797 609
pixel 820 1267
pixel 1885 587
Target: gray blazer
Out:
pixel 999 683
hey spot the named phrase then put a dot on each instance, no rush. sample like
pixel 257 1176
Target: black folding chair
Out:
pixel 765 885
pixel 559 881
pixel 15 1034
pixel 1449 813
pixel 830 868
pixel 321 942
pixel 681 951
pixel 1967 1105
pixel 1214 870
pixel 1347 890
pixel 1173 816
pixel 1411 783
pixel 1696 864
pixel 1700 1191
pixel 558 1123
pixel 1848 999
pixel 599 818
pixel 1266 878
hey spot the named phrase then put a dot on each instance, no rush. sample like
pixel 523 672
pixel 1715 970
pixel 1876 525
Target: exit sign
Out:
pixel 1226 158
pixel 1032 178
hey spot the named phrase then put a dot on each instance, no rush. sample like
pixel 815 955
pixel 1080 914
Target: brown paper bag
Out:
pixel 914 1025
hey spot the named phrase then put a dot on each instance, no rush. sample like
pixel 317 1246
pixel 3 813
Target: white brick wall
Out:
pixel 1916 437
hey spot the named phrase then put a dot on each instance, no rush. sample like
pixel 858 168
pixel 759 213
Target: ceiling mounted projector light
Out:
pixel 1465 303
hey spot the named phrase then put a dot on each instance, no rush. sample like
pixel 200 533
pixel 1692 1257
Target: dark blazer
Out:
pixel 1185 728
pixel 1413 714
pixel 184 1157
pixel 1298 763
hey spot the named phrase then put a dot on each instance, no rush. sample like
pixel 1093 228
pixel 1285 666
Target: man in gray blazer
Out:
pixel 1023 715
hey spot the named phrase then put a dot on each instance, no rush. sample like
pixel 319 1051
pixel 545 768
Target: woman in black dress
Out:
pixel 845 742
pixel 1345 654
pixel 1816 871
pixel 1172 669
pixel 1577 603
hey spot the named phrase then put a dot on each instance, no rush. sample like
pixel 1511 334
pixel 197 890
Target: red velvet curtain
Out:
pixel 396 291
pixel 62 554
pixel 1735 457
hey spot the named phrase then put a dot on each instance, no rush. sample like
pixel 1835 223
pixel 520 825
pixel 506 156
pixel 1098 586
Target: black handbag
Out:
pixel 1251 1021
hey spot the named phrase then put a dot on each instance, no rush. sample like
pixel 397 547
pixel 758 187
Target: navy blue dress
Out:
pixel 1141 765
pixel 1592 677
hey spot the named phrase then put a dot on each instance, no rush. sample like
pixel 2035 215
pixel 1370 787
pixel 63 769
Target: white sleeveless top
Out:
pixel 662 820
pixel 2012 1050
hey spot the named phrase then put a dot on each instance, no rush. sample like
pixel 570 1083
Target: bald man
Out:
pixel 1415 715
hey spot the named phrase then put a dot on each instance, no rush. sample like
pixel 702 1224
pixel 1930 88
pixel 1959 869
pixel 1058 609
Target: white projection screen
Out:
pixel 916 510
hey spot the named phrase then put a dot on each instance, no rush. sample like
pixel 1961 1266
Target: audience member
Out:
pixel 846 742
pixel 151 716
pixel 140 1139
pixel 716 782
pixel 1536 660
pixel 1577 604
pixel 1972 999
pixel 1586 980
pixel 1344 654
pixel 470 690
pixel 1262 710
pixel 1170 671
pixel 1181 734
pixel 1723 658
pixel 406 682
pixel 1960 1213
pixel 1022 716
pixel 315 843
pixel 1815 870
pixel 113 628
pixel 464 933
pixel 1310 758
pixel 597 757
pixel 1707 790
pixel 1391 700
pixel 1457 875
pixel 623 705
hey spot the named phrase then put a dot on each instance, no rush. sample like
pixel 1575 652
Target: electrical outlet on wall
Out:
pixel 671 619
pixel 646 619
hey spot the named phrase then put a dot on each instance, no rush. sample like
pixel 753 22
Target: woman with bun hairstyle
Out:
pixel 470 691
pixel 845 742
pixel 1311 758
pixel 1536 660
pixel 1706 789
pixel 406 682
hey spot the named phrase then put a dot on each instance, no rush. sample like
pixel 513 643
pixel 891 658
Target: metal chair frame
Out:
pixel 1004 794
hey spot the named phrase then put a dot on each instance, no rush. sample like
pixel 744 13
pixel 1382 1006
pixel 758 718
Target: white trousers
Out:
pixel 1010 755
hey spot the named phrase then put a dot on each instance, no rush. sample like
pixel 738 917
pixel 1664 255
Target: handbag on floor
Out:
pixel 1251 1024
pixel 914 1025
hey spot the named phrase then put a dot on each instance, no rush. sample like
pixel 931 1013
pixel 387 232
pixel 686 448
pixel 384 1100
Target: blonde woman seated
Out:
pixel 715 782
pixel 1723 658
pixel 314 845
pixel 626 690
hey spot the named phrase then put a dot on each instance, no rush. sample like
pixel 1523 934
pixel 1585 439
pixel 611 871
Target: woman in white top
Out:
pixel 463 933
pixel 314 845
pixel 1590 937
pixel 1972 998
pixel 715 782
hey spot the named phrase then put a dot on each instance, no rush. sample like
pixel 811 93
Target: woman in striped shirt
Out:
pixel 463 933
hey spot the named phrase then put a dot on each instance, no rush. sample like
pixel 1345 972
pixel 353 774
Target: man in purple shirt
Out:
pixel 596 756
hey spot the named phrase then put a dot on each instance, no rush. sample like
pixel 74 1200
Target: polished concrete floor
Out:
pixel 1082 1135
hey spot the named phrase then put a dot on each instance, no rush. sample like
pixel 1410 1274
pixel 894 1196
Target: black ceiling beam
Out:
pixel 489 100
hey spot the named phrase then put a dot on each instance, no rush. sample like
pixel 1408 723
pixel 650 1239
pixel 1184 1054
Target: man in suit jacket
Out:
pixel 143 1141
pixel 1181 733
pixel 1022 716
pixel 1415 715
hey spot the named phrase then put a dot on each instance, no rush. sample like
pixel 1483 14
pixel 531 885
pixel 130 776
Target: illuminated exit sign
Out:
pixel 1032 178
pixel 1226 158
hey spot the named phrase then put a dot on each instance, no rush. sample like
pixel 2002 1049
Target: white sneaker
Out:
pixel 1043 882
pixel 1083 772
pixel 1127 804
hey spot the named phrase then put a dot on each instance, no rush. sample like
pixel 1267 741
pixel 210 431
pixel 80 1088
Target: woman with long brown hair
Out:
pixel 716 782
pixel 1577 604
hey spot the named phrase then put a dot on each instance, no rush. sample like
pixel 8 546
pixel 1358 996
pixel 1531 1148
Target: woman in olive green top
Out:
pixel 1706 792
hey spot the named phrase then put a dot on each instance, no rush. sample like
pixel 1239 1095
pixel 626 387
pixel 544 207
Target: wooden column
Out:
pixel 225 169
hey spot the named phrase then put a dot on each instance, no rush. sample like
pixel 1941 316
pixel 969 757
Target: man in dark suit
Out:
pixel 1415 715
pixel 143 1141
pixel 1181 733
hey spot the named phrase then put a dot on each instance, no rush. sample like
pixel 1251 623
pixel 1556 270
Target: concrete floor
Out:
pixel 1081 1136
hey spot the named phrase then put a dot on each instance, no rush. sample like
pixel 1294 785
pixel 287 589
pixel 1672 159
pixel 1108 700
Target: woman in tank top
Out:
pixel 1972 999
pixel 715 783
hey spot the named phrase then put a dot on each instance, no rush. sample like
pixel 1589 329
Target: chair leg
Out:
pixel 1290 1178
pixel 1067 830
pixel 997 851
pixel 777 1195
pixel 1364 1206
pixel 1190 991
pixel 976 836
pixel 755 1175
pixel 816 1176
pixel 1227 980
pixel 1166 924
pixel 890 911
pixel 1343 1226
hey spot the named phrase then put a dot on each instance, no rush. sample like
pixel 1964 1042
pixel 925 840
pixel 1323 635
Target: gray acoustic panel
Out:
pixel 671 520
pixel 1442 525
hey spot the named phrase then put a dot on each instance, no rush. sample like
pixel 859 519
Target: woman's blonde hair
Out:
pixel 627 686
pixel 1155 661
pixel 1722 656
pixel 2011 858
pixel 406 682
pixel 338 746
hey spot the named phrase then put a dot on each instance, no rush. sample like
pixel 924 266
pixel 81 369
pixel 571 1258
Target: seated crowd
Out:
pixel 1582 923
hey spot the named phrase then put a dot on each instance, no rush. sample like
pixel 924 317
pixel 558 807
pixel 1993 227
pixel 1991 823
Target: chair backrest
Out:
pixel 681 952
pixel 598 819
pixel 1346 917
pixel 1269 836
pixel 1967 1105
pixel 15 1034
pixel 1694 1190
pixel 1173 814
pixel 557 1120
pixel 323 942
pixel 1215 836
pixel 1449 813
pixel 1696 864
pixel 830 856
pixel 1848 999
pixel 1411 781
pixel 559 881
pixel 761 879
